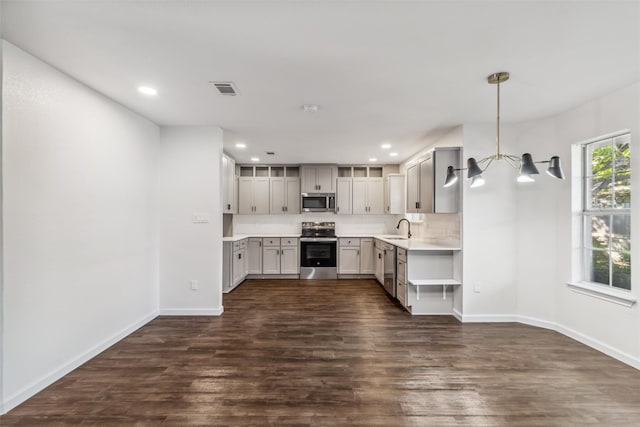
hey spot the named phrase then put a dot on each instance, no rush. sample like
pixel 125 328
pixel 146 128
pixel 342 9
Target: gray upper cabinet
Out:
pixel 229 185
pixel 425 179
pixel 319 179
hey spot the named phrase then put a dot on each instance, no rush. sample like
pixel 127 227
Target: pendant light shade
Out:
pixel 555 168
pixel 473 168
pixel 528 167
pixel 525 163
pixel 452 177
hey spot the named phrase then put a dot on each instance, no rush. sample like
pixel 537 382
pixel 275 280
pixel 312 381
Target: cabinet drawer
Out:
pixel 288 241
pixel 239 244
pixel 402 271
pixel 349 241
pixel 271 241
pixel 402 254
pixel 402 293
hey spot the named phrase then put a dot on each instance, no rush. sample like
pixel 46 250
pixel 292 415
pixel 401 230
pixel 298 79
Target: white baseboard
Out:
pixel 486 318
pixel 192 311
pixel 30 390
pixel 532 321
pixel 600 346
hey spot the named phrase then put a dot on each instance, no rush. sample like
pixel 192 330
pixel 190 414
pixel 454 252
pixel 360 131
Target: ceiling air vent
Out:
pixel 226 88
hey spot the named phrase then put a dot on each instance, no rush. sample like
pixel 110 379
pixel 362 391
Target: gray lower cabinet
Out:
pixel 235 264
pixel 255 255
pixel 280 256
pixel 355 255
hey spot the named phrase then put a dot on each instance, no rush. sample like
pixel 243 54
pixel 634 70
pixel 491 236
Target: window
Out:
pixel 606 211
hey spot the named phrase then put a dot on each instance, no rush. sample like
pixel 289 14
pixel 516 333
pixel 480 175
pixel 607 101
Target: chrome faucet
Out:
pixel 408 227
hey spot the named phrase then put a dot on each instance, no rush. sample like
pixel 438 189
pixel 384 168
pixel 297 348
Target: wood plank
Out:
pixel 327 353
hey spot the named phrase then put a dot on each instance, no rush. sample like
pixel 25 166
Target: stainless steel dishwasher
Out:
pixel 389 252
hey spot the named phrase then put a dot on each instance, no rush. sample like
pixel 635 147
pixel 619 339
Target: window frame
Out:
pixel 583 212
pixel 588 212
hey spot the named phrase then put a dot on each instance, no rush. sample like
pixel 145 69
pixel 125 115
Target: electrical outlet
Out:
pixel 194 285
pixel 476 287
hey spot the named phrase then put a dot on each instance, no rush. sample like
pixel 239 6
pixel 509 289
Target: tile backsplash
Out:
pixel 434 228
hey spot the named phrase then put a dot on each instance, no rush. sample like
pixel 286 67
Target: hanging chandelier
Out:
pixel 525 163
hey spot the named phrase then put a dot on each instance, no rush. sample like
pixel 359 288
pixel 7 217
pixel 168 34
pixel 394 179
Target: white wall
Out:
pixel 78 179
pixel 544 229
pixel 190 183
pixel 489 224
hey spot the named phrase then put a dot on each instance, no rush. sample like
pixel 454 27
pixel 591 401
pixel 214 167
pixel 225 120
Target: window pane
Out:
pixel 598 262
pixel 621 270
pixel 599 228
pixel 623 157
pixel 600 192
pixel 622 190
pixel 621 233
pixel 601 159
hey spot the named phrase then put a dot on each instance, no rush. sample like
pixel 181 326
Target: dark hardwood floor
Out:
pixel 337 353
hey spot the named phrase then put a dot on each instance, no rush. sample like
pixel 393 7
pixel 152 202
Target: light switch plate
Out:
pixel 201 218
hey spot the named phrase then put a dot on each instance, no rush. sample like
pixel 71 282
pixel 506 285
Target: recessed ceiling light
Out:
pixel 255 159
pixel 394 154
pixel 241 145
pixel 146 90
pixel 373 159
pixel 386 146
pixel 310 108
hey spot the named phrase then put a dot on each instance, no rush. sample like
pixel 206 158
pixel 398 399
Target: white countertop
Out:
pixel 417 245
pixel 246 236
pixel 404 243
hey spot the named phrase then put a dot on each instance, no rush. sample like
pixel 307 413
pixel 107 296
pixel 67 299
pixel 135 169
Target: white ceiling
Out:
pixel 381 71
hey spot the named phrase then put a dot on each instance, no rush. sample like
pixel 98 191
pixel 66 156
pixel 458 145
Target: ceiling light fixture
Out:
pixel 310 108
pixel 146 90
pixel 394 154
pixel 255 159
pixel 525 164
pixel 385 146
pixel 373 159
pixel 241 145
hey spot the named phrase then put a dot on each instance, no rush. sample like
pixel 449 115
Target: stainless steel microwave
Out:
pixel 318 202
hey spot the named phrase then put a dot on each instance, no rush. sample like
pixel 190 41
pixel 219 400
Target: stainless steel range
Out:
pixel 318 251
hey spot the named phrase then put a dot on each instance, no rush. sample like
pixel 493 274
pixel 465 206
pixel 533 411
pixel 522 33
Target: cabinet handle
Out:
pixel 379 256
pixel 358 252
pixel 239 255
pixel 260 244
pixel 337 208
pixel 229 206
pixel 416 205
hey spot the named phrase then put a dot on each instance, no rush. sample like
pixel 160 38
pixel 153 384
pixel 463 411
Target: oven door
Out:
pixel 318 252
